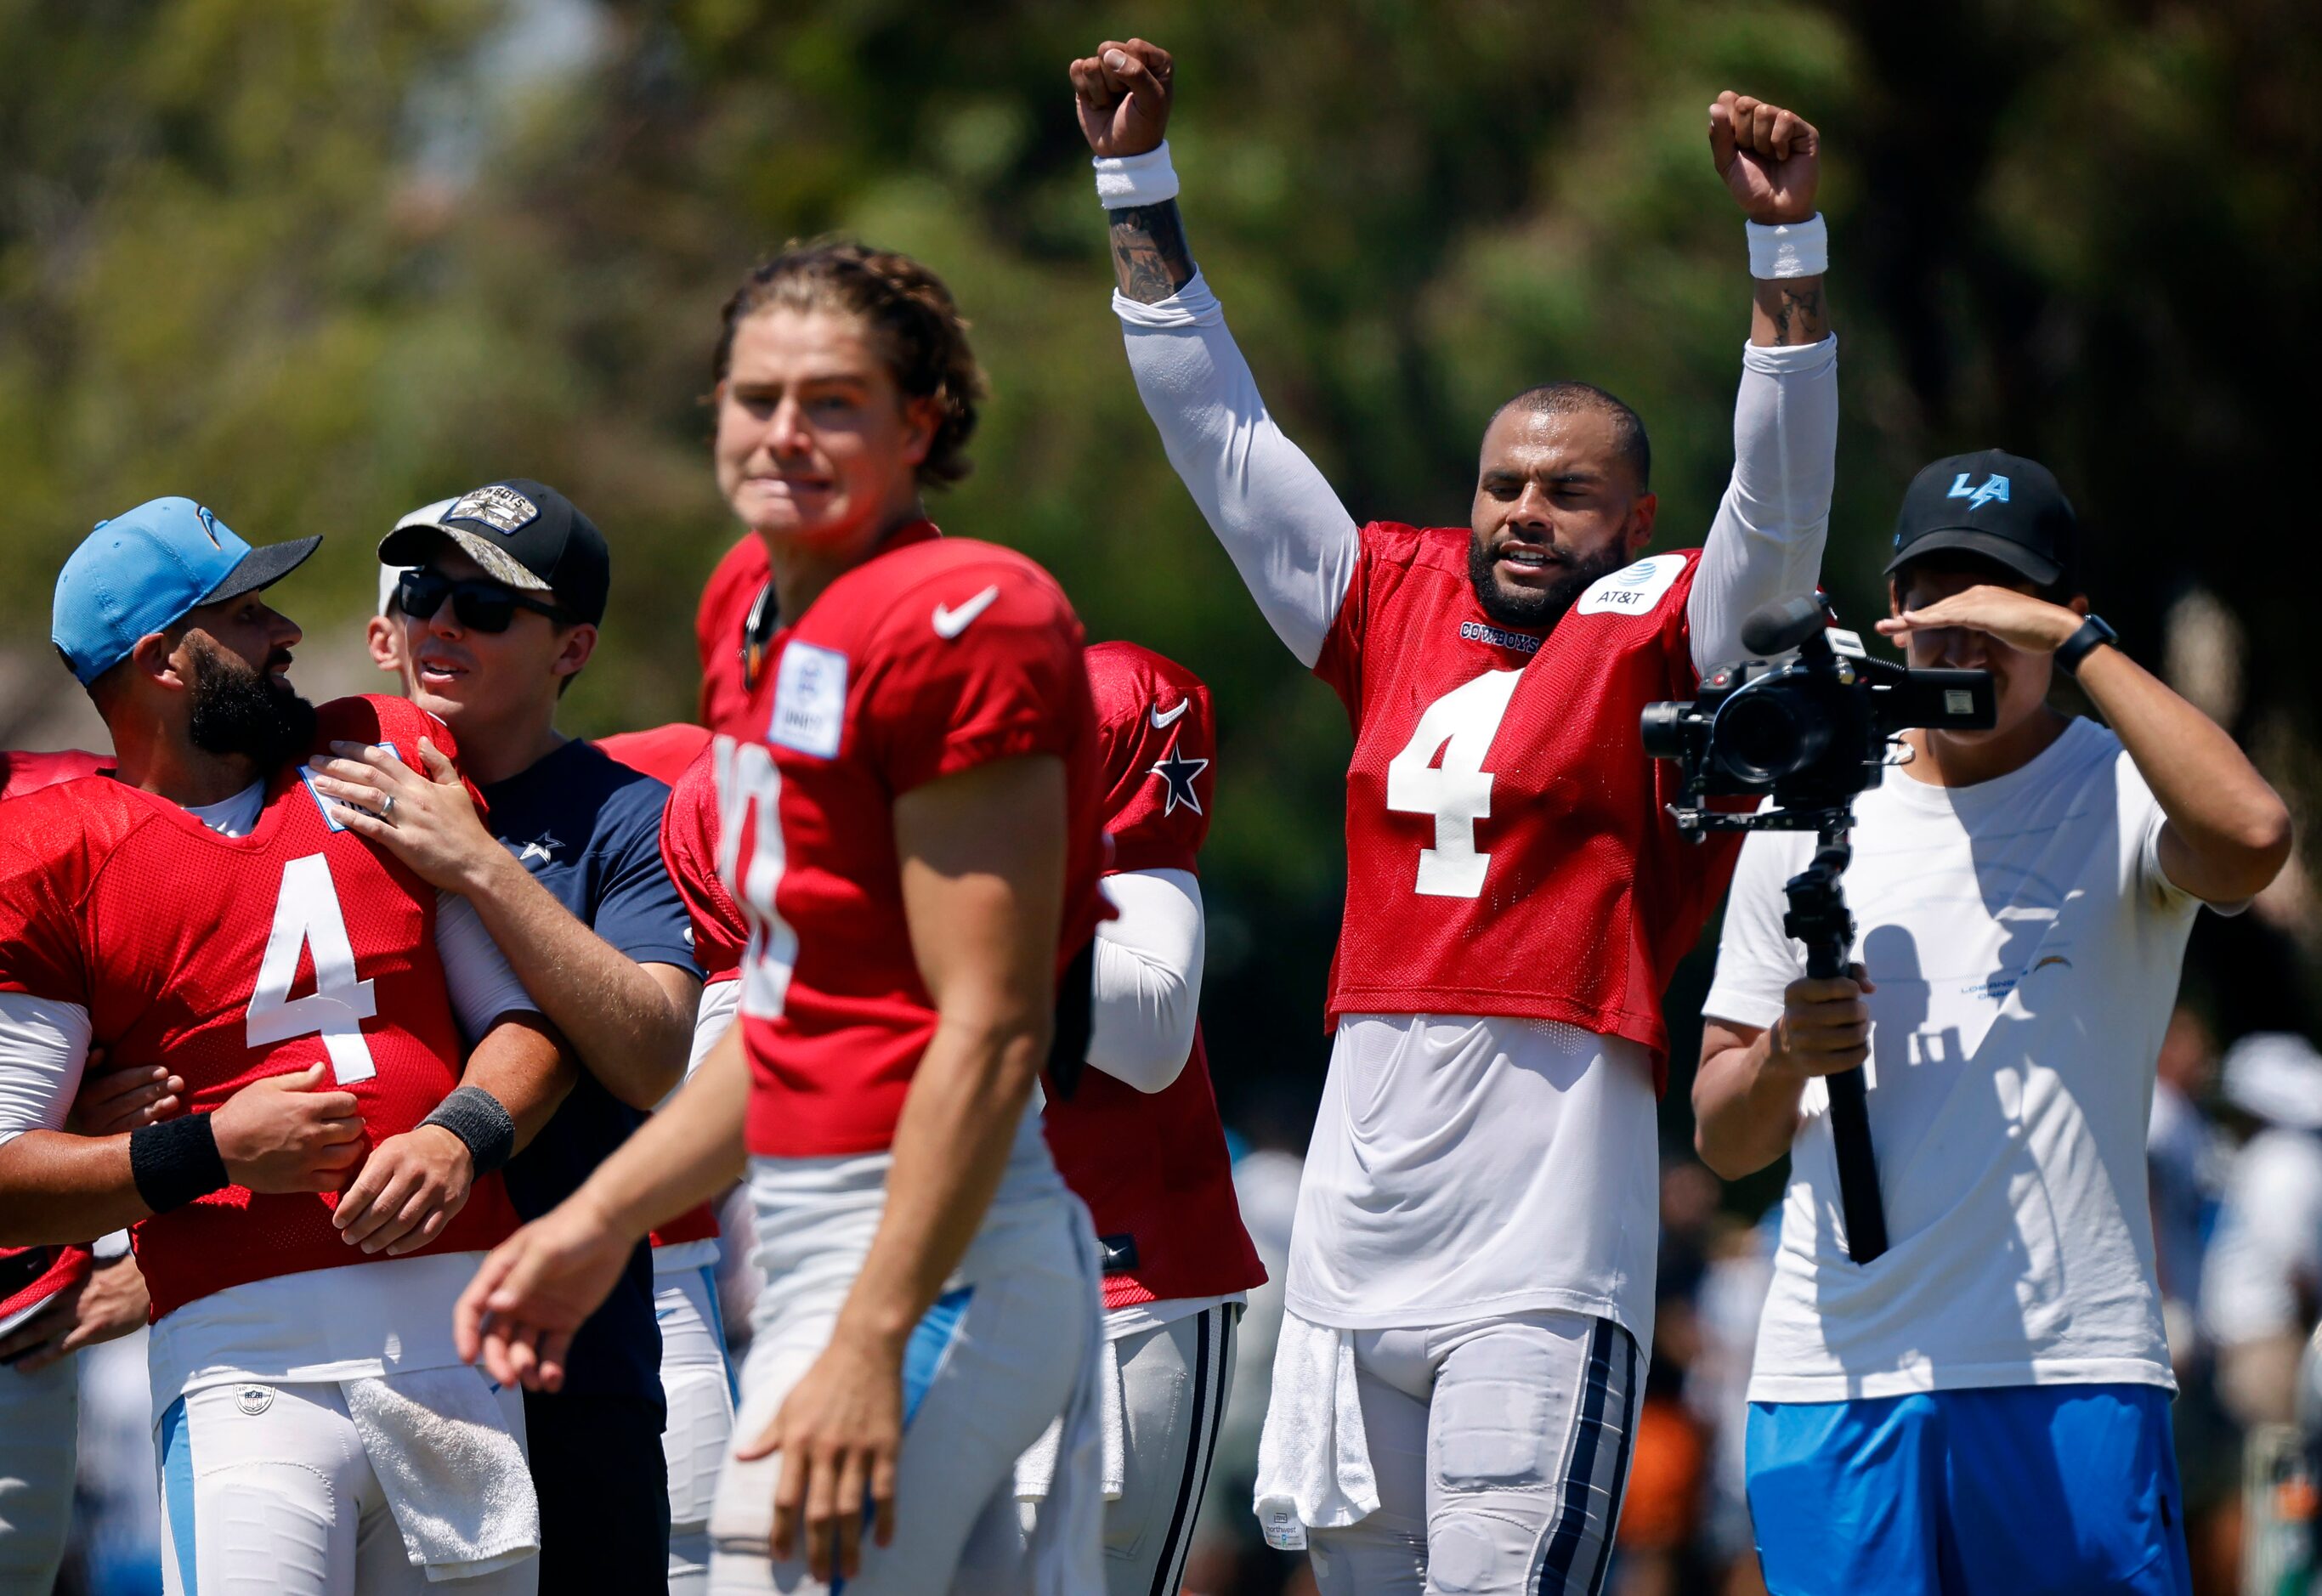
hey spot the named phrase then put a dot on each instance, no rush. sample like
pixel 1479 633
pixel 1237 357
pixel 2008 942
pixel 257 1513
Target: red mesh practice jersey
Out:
pixel 30 1276
pixel 662 753
pixel 1507 848
pixel 1152 1166
pixel 934 656
pixel 717 630
pixel 21 773
pixel 236 958
pixel 689 850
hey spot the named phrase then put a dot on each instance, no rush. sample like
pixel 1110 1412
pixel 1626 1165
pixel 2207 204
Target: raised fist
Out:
pixel 1123 93
pixel 1771 159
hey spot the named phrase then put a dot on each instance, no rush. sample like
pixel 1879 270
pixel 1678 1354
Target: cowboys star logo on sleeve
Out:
pixel 1177 772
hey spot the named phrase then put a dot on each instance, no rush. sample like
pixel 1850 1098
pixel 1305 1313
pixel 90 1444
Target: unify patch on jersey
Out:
pixel 503 509
pixel 326 804
pixel 1633 590
pixel 810 700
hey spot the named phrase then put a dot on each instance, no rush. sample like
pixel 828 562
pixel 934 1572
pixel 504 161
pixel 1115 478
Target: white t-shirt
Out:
pixel 1463 1167
pixel 2265 1261
pixel 2025 946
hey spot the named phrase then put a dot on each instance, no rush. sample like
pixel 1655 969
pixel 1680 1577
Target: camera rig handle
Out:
pixel 1817 916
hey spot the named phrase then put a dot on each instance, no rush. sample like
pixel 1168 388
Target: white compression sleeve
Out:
pixel 483 986
pixel 1766 544
pixel 1146 990
pixel 43 1046
pixel 720 1000
pixel 1290 537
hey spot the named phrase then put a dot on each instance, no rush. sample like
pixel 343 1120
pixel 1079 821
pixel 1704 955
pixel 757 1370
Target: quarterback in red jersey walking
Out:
pixel 909 824
pixel 1471 1276
pixel 305 1229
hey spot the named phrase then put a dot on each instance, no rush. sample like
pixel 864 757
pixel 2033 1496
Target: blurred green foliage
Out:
pixel 315 263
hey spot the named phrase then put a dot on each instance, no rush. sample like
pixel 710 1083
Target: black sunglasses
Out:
pixel 480 606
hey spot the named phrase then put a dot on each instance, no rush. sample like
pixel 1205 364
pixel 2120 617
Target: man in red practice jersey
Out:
pixel 1471 1274
pixel 54 1301
pixel 1138 1138
pixel 206 907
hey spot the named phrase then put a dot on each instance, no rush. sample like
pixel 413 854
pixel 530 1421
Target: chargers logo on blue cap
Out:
pixel 209 524
pixel 1995 486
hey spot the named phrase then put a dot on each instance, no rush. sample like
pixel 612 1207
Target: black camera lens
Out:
pixel 1662 728
pixel 1766 733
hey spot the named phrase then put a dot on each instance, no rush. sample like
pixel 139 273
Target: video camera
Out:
pixel 1808 722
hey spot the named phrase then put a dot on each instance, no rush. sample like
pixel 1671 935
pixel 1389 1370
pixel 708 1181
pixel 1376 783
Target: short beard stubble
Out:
pixel 237 710
pixel 1539 609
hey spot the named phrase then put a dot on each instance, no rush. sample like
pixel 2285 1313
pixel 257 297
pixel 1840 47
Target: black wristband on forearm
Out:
pixel 478 1118
pixel 177 1161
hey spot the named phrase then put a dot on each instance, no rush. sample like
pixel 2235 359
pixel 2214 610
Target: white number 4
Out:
pixel 1458 792
pixel 306 915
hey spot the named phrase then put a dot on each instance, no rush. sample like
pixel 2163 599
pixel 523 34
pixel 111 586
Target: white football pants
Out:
pixel 1501 1449
pixel 39 1421
pixel 1174 1380
pixel 698 1382
pixel 266 1490
pixel 990 1365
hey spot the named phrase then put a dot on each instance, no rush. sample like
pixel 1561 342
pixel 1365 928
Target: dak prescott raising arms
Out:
pixel 1475 1244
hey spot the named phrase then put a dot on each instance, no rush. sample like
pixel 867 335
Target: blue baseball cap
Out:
pixel 139 572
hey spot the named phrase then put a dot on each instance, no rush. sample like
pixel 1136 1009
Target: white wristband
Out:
pixel 1794 249
pixel 1126 180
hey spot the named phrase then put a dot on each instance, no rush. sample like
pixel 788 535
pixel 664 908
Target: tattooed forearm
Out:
pixel 1789 311
pixel 1148 251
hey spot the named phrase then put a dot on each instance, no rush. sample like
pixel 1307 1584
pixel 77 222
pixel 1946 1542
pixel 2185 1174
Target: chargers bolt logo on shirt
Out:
pixel 503 509
pixel 1994 487
pixel 1635 589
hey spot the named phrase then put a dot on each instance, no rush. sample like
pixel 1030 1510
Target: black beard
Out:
pixel 1535 609
pixel 239 711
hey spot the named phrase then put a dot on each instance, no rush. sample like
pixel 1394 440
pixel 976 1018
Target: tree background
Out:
pixel 317 263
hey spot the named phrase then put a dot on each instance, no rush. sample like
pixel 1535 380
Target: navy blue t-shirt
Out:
pixel 589 829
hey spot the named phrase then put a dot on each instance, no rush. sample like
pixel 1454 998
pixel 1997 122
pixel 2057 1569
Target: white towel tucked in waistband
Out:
pixel 452 1474
pixel 1036 1469
pixel 1313 1457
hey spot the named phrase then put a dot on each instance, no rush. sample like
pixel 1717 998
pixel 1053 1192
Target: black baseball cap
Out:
pixel 1994 504
pixel 524 533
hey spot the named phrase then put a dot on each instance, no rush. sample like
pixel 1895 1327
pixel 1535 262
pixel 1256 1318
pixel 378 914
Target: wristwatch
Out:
pixel 2092 636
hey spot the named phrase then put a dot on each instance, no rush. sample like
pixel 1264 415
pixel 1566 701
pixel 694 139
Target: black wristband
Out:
pixel 478 1118
pixel 2092 636
pixel 177 1161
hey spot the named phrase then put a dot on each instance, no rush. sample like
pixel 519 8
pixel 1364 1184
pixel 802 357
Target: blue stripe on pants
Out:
pixel 1565 1545
pixel 717 1329
pixel 178 1492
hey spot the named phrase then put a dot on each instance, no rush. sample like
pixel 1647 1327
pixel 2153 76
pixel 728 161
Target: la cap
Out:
pixel 524 534
pixel 140 572
pixel 1994 504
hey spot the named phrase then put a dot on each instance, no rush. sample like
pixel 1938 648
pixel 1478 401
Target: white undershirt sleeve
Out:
pixel 1289 536
pixel 1766 544
pixel 483 986
pixel 43 1046
pixel 1146 990
pixel 719 1002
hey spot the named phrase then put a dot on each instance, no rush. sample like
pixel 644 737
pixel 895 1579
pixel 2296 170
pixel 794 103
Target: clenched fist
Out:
pixel 1123 93
pixel 1770 158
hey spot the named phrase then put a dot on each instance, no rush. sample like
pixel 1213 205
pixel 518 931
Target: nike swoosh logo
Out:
pixel 950 622
pixel 1163 719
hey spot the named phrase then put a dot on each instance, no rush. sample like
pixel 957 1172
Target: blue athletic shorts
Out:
pixel 2011 1490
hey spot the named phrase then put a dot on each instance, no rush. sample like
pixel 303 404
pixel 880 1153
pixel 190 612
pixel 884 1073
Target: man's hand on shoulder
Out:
pixel 1770 158
pixel 1123 94
pixel 425 817
pixel 410 1187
